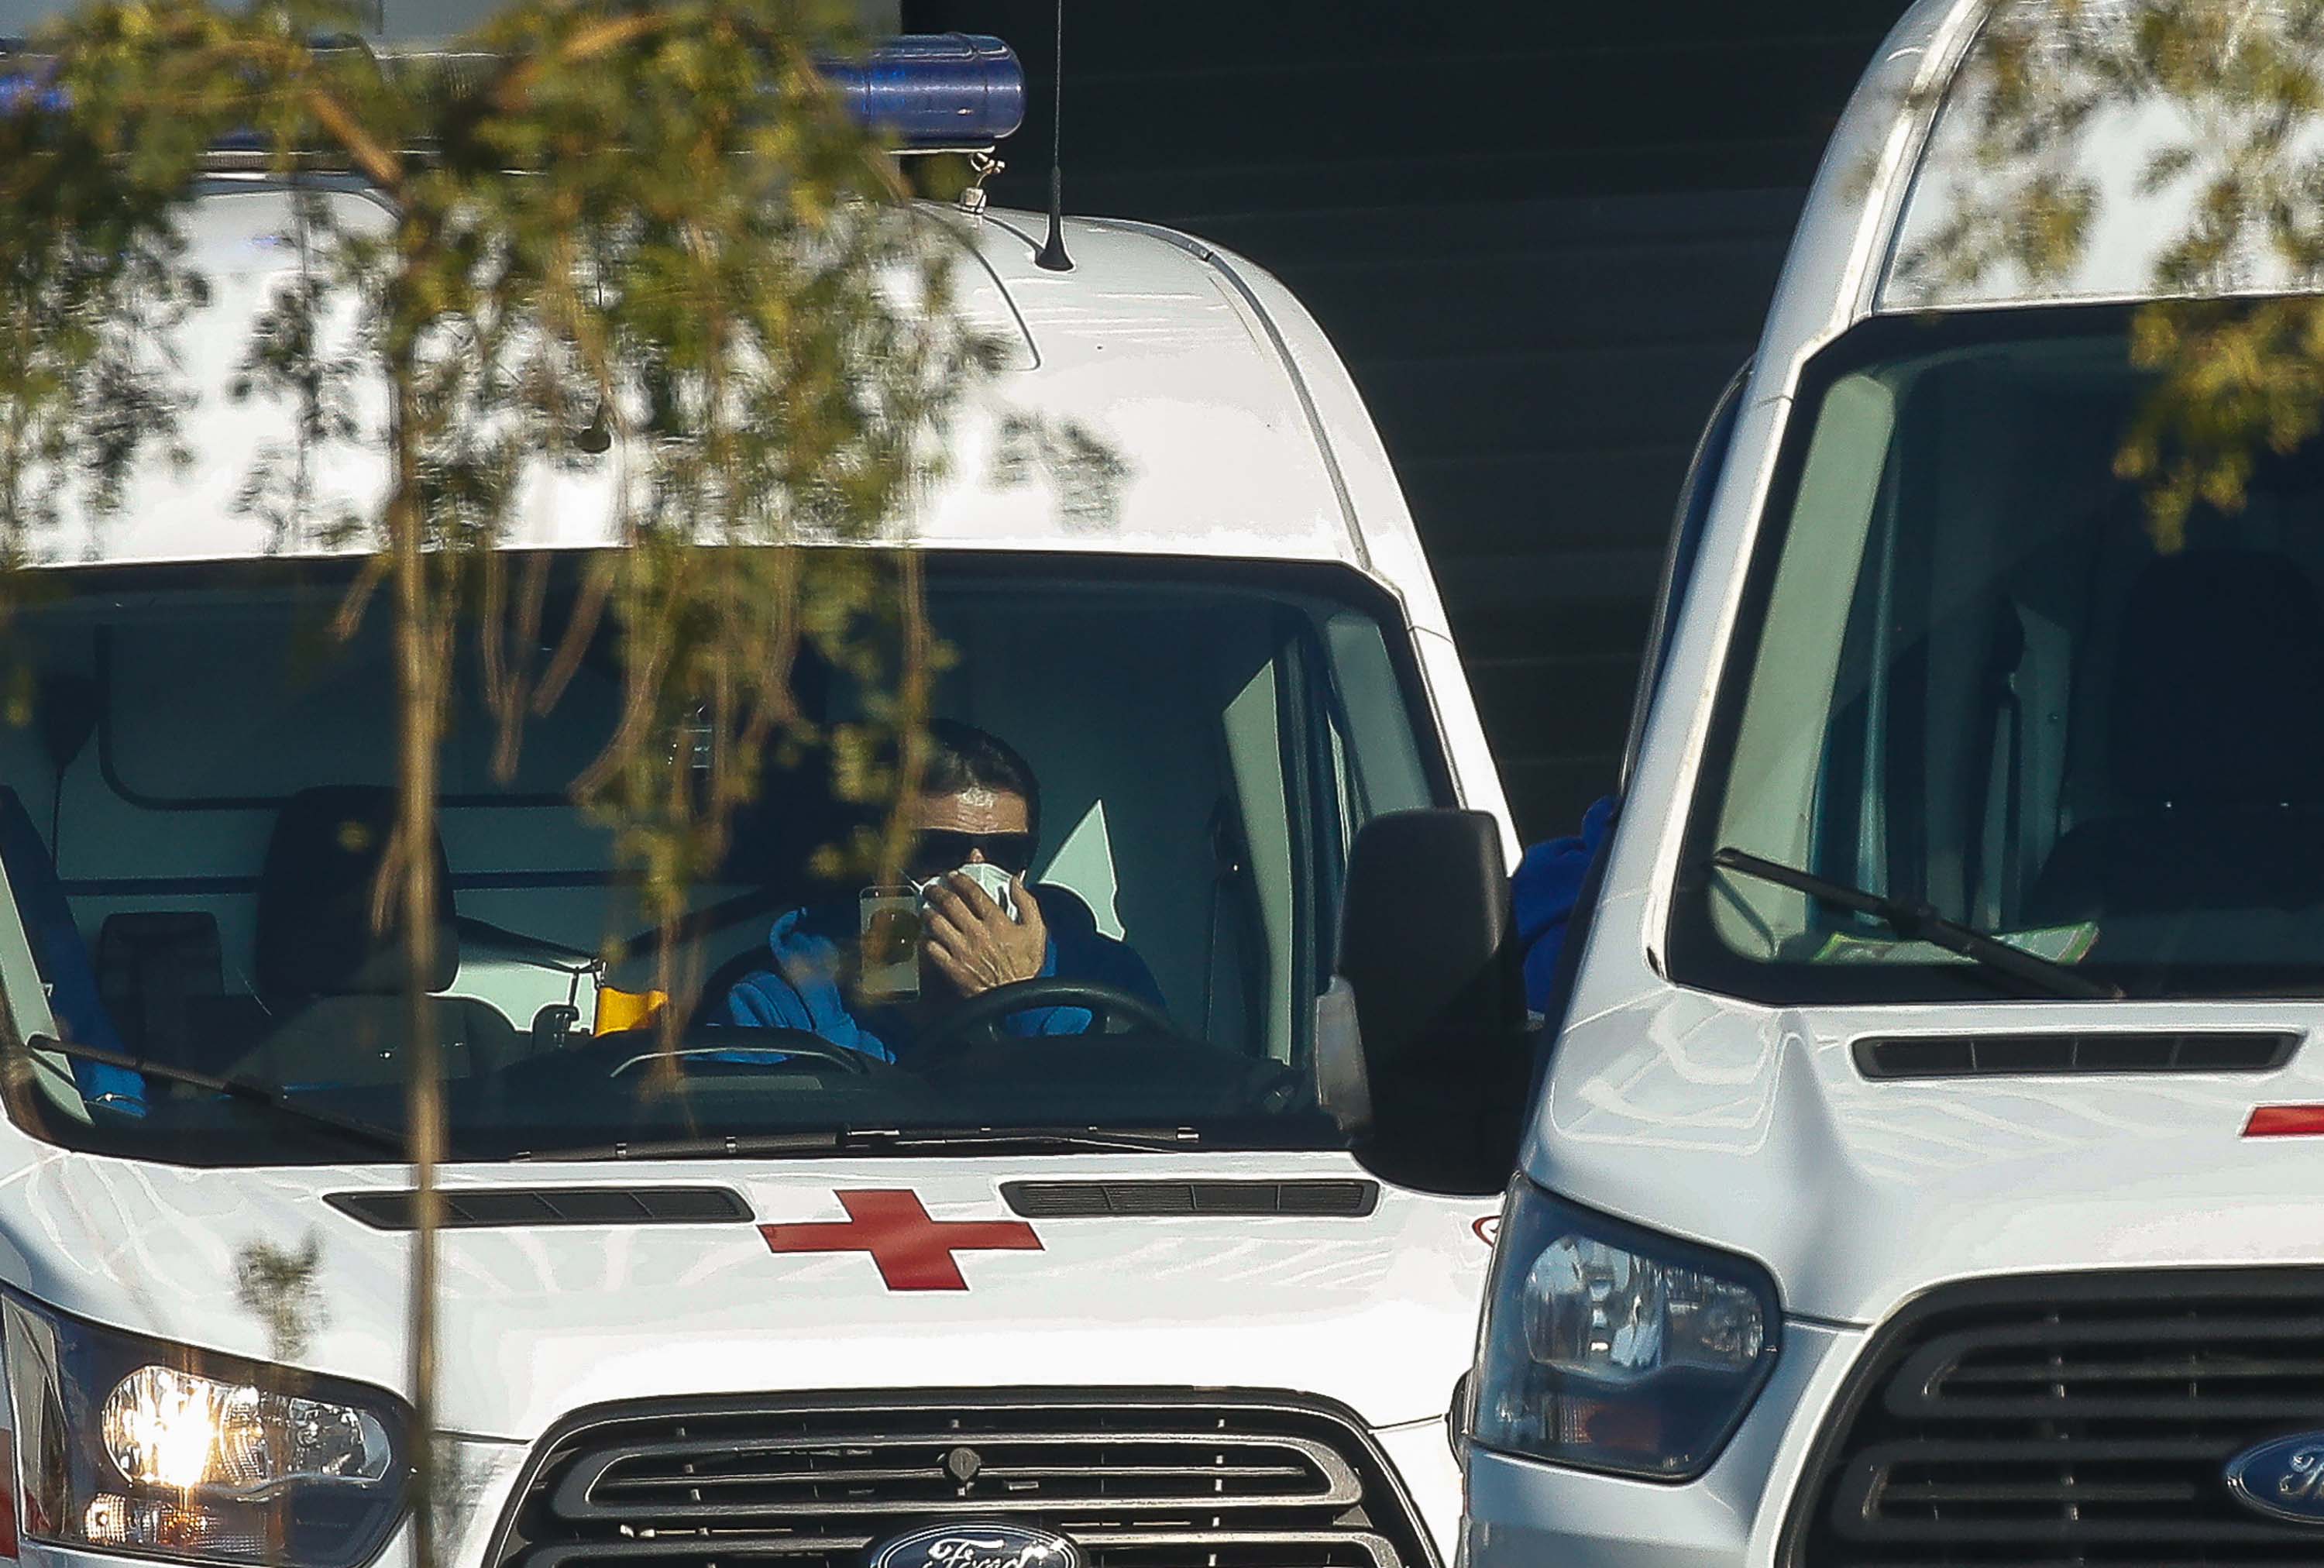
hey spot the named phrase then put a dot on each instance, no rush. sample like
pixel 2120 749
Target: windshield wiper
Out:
pixel 247 1090
pixel 884 1140
pixel 1921 923
pixel 1023 1140
pixel 741 1146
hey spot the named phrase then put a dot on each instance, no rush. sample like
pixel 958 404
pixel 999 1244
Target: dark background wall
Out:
pixel 1542 234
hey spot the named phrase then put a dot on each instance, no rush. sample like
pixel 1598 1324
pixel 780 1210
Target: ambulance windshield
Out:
pixel 1982 672
pixel 1148 779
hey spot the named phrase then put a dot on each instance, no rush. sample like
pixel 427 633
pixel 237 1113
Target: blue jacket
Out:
pixel 1545 891
pixel 62 959
pixel 800 987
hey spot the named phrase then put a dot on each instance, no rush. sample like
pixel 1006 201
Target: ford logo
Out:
pixel 978 1545
pixel 2283 1479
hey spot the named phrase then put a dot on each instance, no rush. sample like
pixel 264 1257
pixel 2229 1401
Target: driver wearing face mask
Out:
pixel 975 824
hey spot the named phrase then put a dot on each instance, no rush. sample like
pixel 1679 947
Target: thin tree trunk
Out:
pixel 416 781
pixel 419 675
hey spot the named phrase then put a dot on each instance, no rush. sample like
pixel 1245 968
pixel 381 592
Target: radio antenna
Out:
pixel 1053 251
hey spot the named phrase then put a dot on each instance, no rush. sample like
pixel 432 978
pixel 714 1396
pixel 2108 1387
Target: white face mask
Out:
pixel 986 875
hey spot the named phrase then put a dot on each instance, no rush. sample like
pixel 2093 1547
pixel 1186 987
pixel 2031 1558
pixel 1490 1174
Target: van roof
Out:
pixel 1236 431
pixel 1903 165
pixel 2119 147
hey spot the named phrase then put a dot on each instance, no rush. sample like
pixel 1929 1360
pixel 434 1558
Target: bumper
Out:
pixel 1524 1514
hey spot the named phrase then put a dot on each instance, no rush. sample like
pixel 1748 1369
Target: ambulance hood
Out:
pixel 1376 1311
pixel 1760 1131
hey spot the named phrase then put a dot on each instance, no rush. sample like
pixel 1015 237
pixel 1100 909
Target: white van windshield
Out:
pixel 1969 676
pixel 1182 758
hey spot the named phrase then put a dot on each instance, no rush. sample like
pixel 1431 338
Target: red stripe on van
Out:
pixel 7 1495
pixel 2286 1121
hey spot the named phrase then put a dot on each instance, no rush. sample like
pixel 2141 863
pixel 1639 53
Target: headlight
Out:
pixel 1611 1348
pixel 130 1444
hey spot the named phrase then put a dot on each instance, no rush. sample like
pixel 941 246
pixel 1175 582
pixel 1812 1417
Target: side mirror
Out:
pixel 1421 1049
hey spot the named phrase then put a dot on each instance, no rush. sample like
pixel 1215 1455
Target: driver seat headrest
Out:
pixel 316 893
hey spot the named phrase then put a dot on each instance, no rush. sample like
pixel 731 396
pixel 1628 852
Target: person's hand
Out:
pixel 975 944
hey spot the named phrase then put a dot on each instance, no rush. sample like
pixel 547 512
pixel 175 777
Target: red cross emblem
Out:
pixel 913 1251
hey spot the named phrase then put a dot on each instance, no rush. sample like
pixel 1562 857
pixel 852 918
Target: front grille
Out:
pixel 1136 1481
pixel 2074 1422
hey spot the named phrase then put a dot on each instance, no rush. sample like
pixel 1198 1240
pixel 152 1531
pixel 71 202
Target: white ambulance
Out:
pixel 1924 1173
pixel 1191 1286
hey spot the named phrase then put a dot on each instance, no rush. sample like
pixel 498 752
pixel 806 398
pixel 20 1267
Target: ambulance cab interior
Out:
pixel 198 807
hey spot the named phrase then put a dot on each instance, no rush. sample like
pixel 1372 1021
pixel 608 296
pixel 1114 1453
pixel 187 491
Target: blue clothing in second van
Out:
pixel 1546 890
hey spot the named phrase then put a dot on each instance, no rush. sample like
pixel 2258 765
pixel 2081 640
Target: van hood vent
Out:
pixel 2021 1056
pixel 484 1208
pixel 1350 1200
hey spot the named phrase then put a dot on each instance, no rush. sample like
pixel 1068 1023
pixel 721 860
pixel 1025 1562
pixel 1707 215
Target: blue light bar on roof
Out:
pixel 21 93
pixel 935 90
pixel 932 91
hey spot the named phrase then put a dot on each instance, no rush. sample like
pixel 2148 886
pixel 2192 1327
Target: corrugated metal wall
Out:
pixel 1542 234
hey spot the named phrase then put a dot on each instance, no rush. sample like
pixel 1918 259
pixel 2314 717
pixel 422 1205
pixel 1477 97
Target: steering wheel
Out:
pixel 642 1045
pixel 983 1014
